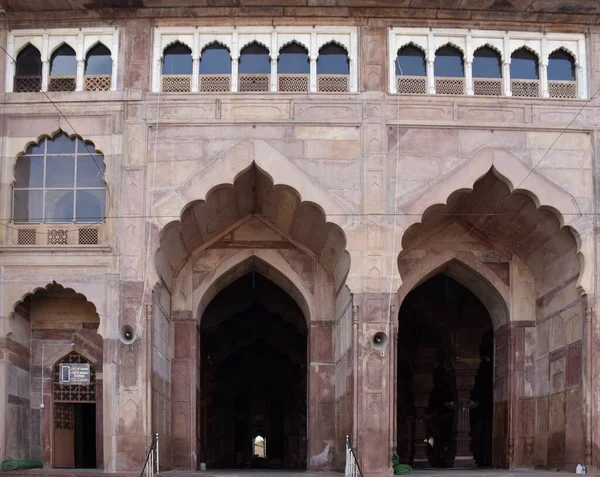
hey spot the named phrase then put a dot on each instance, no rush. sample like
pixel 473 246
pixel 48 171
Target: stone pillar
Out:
pixel 544 80
pixel 79 86
pixel 430 78
pixel 313 74
pixel 506 78
pixel 469 78
pixel 464 384
pixel 273 76
pixel 234 72
pixel 321 397
pixel 375 385
pixel 195 74
pixel 183 378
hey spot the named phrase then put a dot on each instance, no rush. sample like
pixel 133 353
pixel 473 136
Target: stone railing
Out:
pixel 333 83
pixel 562 89
pixel 27 84
pixel 215 83
pixel 62 83
pixel 293 82
pixel 525 88
pixel 450 85
pixel 57 234
pixel 176 83
pixel 487 86
pixel 97 82
pixel 411 84
pixel 249 83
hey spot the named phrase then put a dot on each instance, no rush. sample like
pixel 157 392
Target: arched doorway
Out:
pixel 253 377
pixel 74 412
pixel 444 377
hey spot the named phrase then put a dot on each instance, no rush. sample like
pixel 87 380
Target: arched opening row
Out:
pixel 216 70
pixel 65 71
pixel 486 74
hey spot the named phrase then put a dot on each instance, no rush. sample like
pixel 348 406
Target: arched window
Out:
pixel 254 68
pixel 449 71
pixel 98 68
pixel 215 68
pixel 561 75
pixel 411 70
pixel 63 69
pixel 177 69
pixel 524 73
pixel 28 72
pixel 293 68
pixel 333 69
pixel 59 180
pixel 487 72
pixel 259 444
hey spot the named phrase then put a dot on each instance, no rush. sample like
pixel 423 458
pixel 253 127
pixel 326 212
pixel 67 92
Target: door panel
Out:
pixel 64 445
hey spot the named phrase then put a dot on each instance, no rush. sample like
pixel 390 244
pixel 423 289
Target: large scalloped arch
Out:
pixel 518 178
pixel 52 136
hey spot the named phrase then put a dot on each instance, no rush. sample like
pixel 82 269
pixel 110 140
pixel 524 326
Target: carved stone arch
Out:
pixel 93 45
pixel 528 48
pixel 568 51
pixel 174 42
pixel 204 46
pixel 25 45
pixel 518 178
pixel 268 263
pixel 411 43
pixel 491 47
pixel 250 42
pixel 465 268
pixel 332 41
pixel 451 44
pixel 93 292
pixel 291 42
pixel 62 43
pixel 238 160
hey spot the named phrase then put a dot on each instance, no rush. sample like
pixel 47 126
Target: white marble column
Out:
pixel 469 78
pixel 506 78
pixel 430 78
pixel 313 74
pixel 80 63
pixel 234 73
pixel 45 63
pixel 195 75
pixel 273 74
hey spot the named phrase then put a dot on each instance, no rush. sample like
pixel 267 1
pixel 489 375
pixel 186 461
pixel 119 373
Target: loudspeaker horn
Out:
pixel 127 334
pixel 379 342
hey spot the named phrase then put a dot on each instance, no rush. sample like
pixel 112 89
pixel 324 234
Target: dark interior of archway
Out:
pixel 445 377
pixel 253 377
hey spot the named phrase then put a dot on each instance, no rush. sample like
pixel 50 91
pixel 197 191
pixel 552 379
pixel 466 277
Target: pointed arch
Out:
pixel 98 60
pixel 562 65
pixel 177 59
pixel 470 272
pixel 524 64
pixel 255 58
pixel 63 61
pixel 333 59
pixel 487 62
pixel 293 58
pixel 449 61
pixel 411 60
pixel 268 263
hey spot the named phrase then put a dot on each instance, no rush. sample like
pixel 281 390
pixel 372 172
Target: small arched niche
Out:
pixel 333 68
pixel 177 68
pixel 215 68
pixel 63 69
pixel 411 70
pixel 293 68
pixel 487 72
pixel 449 70
pixel 28 70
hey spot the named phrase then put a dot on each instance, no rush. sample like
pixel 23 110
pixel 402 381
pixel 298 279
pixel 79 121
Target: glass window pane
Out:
pixel 37 148
pixel 486 64
pixel 333 60
pixel 293 59
pixel 90 205
pixel 63 62
pixel 561 67
pixel 254 59
pixel 89 171
pixel 448 63
pixel 59 206
pixel 524 65
pixel 28 206
pixel 60 171
pixel 215 60
pixel 177 60
pixel 29 62
pixel 411 62
pixel 61 144
pixel 29 172
pixel 98 61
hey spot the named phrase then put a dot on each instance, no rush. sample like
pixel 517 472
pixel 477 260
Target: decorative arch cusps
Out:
pixel 62 60
pixel 248 252
pixel 264 58
pixel 59 180
pixel 518 254
pixel 495 63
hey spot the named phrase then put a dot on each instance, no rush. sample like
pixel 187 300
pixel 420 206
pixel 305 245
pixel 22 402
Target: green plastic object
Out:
pixel 21 464
pixel 400 469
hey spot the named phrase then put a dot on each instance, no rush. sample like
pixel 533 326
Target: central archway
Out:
pixel 253 377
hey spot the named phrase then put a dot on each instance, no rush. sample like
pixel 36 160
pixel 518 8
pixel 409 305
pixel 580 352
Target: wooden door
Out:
pixel 64 436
